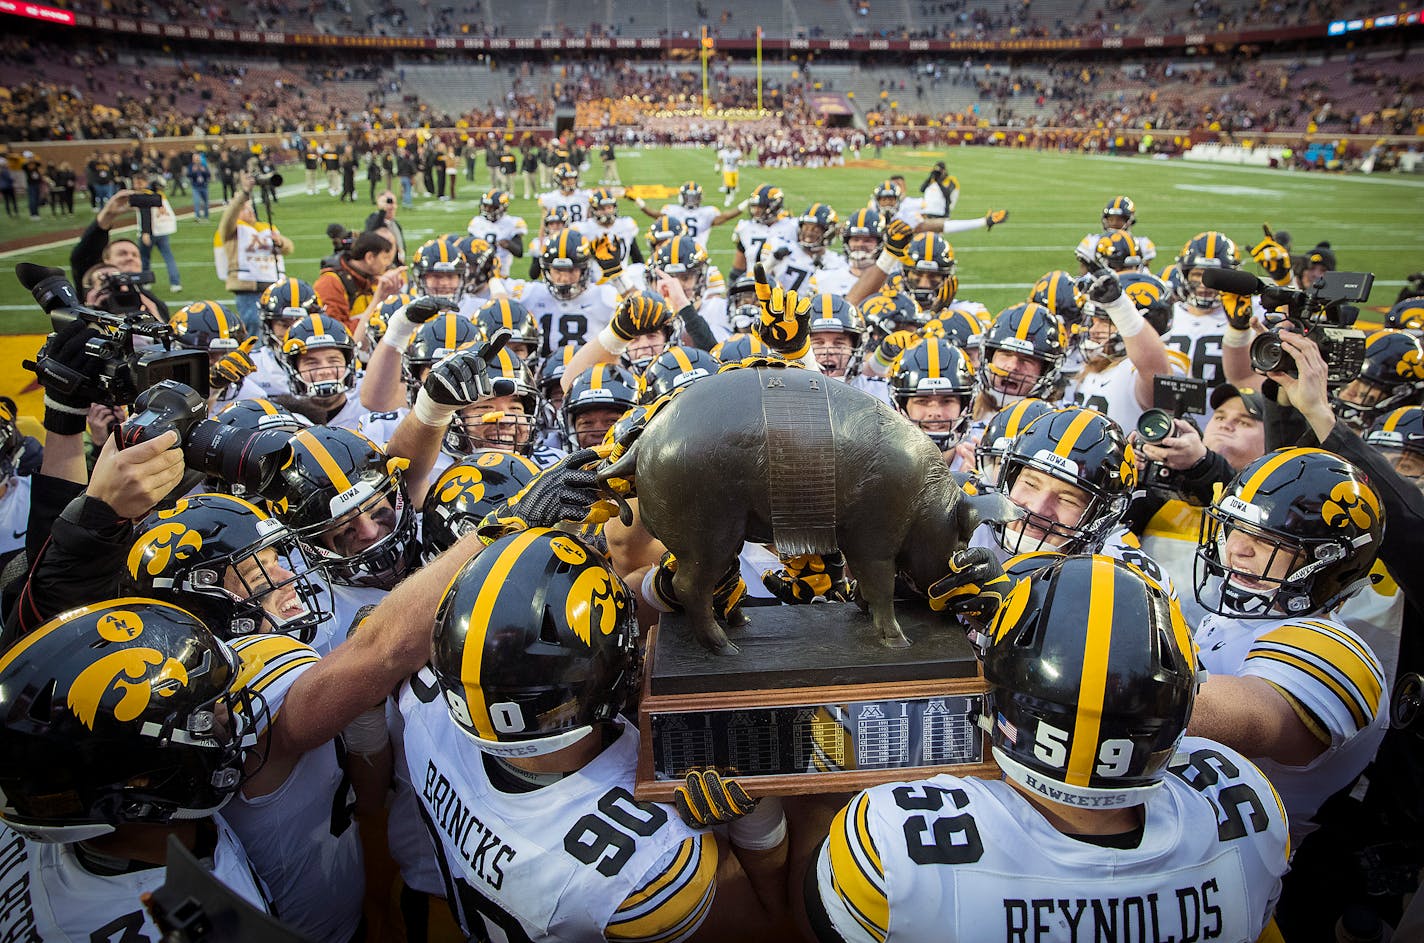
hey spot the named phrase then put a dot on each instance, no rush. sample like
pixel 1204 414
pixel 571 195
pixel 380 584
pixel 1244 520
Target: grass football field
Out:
pixel 1054 199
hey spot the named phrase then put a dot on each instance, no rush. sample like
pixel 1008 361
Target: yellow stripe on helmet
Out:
pixel 1092 684
pixel 323 458
pixel 472 663
pixel 1074 432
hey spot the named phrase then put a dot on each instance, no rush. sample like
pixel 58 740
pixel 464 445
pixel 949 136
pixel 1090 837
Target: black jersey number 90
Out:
pixel 609 837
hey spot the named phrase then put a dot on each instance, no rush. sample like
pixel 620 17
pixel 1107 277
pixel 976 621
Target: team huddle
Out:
pixel 400 662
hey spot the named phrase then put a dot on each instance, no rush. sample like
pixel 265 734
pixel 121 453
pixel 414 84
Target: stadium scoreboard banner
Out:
pixel 858 44
pixel 1358 24
pixel 38 11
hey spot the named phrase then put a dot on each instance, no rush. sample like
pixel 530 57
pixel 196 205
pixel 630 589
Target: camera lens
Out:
pixel 242 458
pixel 1267 354
pixel 1154 425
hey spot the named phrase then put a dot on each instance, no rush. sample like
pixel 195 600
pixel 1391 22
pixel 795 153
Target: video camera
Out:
pixel 1323 315
pixel 119 370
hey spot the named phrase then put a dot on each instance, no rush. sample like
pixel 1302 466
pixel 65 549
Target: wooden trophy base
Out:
pixel 814 703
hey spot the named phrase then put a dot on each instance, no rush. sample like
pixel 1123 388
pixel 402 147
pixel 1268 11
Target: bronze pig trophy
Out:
pixel 783 455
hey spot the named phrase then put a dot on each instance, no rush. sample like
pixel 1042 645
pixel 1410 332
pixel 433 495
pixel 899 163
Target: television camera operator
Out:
pixel 251 253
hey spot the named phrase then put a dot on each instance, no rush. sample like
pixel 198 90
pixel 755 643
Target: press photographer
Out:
pixel 361 278
pixel 96 248
pixel 251 253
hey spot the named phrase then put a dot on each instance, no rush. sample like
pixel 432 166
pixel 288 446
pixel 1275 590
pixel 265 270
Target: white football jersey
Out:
pixel 950 859
pixel 696 223
pixel 623 227
pixel 349 416
pixel 752 236
pixel 832 280
pixel 49 895
pixel 579 859
pixel 570 322
pixel 1322 668
pixel 1112 390
pixel 1198 336
pixel 575 204
pixel 15 514
pixel 505 228
pixel 729 159
pixel 794 271
pixel 349 605
pixel 301 837
pixel 269 374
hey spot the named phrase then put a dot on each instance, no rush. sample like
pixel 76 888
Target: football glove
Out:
pixel 898 236
pixel 995 217
pixel 726 595
pixel 608 253
pixel 565 491
pixel 233 367
pixel 1273 257
pixel 811 578
pixel 639 316
pixel 1102 286
pixel 974 588
pixel 785 317
pixel 1238 310
pixel 894 344
pixel 705 799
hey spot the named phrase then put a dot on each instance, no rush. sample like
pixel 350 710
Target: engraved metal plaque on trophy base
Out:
pixel 812 704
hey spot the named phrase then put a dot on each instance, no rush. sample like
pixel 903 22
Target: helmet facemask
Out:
pixel 1035 531
pixel 1280 586
pixel 381 500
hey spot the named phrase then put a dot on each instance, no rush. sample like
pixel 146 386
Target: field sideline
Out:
pixel 1053 199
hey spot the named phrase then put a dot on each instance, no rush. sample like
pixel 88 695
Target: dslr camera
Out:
pixel 1325 315
pixel 247 460
pixel 132 352
pixel 1173 398
pixel 123 291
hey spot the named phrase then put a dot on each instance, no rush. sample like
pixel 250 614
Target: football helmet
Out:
pixel 999 434
pixel 433 341
pixel 673 369
pixel 494 204
pixel 566 252
pixel 1059 292
pixel 479 426
pixel 567 177
pixel 207 325
pixel 551 375
pixel 1205 250
pixel 1398 434
pixel 1310 519
pixel 1120 213
pixel 312 333
pixel 1077 446
pixel 1114 249
pixel 935 367
pixel 817 228
pixel 764 205
pixel 111 714
pixel 604 206
pixel 651 311
pixel 467 491
pixel 602 386
pixel 1153 299
pixel 506 314
pixel 1028 330
pixel 440 260
pixel 338 489
pixel 739 347
pixel 1393 373
pixel 743 309
pixel 226 561
pixel 283 304
pixel 887 198
pixel 690 194
pixel 886 313
pixel 1092 674
pixel 259 415
pixel 661 230
pixel 832 314
pixel 535 642
pixel 863 224
pixel 556 220
pixel 1406 315
pixel 682 258
pixel 929 263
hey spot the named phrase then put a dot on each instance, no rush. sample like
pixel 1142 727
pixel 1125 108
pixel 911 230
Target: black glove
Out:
pixel 565 491
pixel 706 799
pixel 898 236
pixel 638 314
pixel 426 307
pixel 67 371
pixel 608 253
pixel 809 578
pixel 459 379
pixel 1103 286
pixel 780 252
pixel 974 588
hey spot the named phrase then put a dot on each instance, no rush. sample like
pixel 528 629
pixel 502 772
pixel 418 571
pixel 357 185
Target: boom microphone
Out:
pixel 1234 281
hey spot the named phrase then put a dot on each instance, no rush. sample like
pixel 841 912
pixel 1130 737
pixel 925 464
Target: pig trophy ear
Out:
pixel 990 506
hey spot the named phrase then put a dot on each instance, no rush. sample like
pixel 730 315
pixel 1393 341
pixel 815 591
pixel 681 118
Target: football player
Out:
pixel 504 232
pixel 282 304
pixel 1293 536
pixel 568 304
pixel 1098 778
pixel 1400 436
pixel 809 254
pixel 729 163
pixel 1391 376
pixel 210 326
pixel 933 386
pixel 433 340
pixel 1120 214
pixel 606 221
pixel 697 220
pixel 594 400
pixel 766 221
pixel 567 195
pixel 1022 355
pixel 1200 321
pixel 862 238
pixel 320 359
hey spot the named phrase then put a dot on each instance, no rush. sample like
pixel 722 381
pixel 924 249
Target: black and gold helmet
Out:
pixel 434 340
pixel 1400 431
pixel 441 257
pixel 312 333
pixel 817 228
pixel 832 314
pixel 929 264
pixel 1153 299
pixel 568 251
pixel 887 197
pixel 207 325
pixel 690 194
pixel 739 347
pixel 1058 292
pixel 602 386
pixel 494 204
pixel 765 204
pixel 1079 447
pixel 227 561
pixel 481 262
pixel 1120 213
pixel 1031 331
pixel 1296 531
pixel 1114 249
pixel 567 177
pixel 110 715
pixel 535 643
pixel 1092 673
pixel 1205 250
pixel 935 367
pixel 1003 428
pixel 681 258
pixel 467 491
pixel 284 303
pixel 1407 314
pixel 661 230
pixel 865 223
pixel 649 314
pixel 500 426
pixel 347 503
pixel 673 369
pixel 887 312
pixel 506 314
pixel 1392 375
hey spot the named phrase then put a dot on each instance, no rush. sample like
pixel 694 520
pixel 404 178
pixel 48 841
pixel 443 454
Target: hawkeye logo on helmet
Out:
pixel 126 680
pixel 155 550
